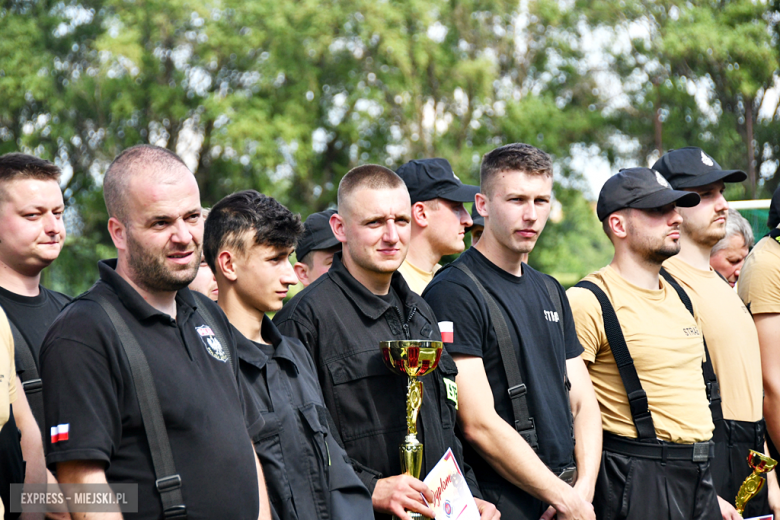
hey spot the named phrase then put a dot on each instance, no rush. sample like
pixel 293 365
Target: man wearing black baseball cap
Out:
pixel 439 220
pixel 732 342
pixel 644 353
pixel 315 249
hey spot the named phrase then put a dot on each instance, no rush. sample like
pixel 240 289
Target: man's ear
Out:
pixel 225 263
pixel 481 202
pixel 337 226
pixel 617 224
pixel 118 232
pixel 302 272
pixel 420 214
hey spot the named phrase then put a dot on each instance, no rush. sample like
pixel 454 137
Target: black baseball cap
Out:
pixel 640 188
pixel 690 167
pixel 428 179
pixel 774 210
pixel 317 234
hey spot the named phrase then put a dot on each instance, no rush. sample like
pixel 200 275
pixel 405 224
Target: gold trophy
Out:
pixel 413 358
pixel 754 482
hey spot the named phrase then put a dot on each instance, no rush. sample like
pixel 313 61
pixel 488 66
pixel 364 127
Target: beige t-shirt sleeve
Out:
pixel 759 281
pixel 7 369
pixel 588 321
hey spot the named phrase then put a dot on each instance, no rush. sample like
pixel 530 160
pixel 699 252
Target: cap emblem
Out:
pixel 706 160
pixel 661 180
pixel 456 176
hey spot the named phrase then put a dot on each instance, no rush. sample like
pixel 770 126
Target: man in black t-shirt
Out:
pixel 32 234
pixel 91 400
pixel 518 467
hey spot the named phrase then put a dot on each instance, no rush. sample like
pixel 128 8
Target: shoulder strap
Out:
pixel 708 371
pixel 31 379
pixel 219 331
pixel 168 482
pixel 637 398
pixel 555 296
pixel 518 392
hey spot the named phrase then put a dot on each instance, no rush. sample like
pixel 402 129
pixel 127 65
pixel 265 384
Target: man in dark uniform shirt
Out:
pixel 342 317
pixel 91 403
pixel 248 241
pixel 32 233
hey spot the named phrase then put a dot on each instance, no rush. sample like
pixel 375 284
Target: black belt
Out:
pixel 664 451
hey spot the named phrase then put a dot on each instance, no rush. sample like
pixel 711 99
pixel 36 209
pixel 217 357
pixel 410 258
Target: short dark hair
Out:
pixel 17 165
pixel 232 217
pixel 513 157
pixel 117 177
pixel 372 176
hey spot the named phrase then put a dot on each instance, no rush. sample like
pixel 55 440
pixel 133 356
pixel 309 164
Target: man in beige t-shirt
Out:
pixel 7 376
pixel 656 451
pixel 727 326
pixel 759 288
pixel 439 220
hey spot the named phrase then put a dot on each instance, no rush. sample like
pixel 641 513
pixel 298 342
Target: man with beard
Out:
pixel 513 340
pixel 343 316
pixel 97 392
pixel 439 220
pixel 644 352
pixel 728 328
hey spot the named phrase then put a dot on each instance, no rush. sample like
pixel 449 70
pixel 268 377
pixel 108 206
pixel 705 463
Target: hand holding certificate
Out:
pixel 452 499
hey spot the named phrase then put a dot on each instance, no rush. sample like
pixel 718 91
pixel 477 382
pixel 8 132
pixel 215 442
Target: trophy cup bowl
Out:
pixel 412 358
pixel 754 482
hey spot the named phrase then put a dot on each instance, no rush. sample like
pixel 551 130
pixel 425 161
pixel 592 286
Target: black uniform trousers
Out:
pixel 733 441
pixel 634 488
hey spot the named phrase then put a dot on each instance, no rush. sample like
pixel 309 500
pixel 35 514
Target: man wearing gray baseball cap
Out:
pixel 644 352
pixel 439 220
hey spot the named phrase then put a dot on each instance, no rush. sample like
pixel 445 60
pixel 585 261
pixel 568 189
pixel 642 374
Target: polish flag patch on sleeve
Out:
pixel 60 432
pixel 446 331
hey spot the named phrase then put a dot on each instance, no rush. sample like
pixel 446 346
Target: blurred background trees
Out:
pixel 286 97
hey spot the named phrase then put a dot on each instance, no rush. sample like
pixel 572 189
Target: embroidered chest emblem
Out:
pixel 212 344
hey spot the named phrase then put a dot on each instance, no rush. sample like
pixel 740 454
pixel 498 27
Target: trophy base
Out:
pixel 413 516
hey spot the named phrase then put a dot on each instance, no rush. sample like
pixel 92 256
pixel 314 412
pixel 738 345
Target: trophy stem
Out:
pixel 411 450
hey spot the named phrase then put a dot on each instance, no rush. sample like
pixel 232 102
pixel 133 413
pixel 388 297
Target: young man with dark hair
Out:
pixel 315 249
pixel 139 331
pixel 342 318
pixel 439 220
pixel 728 328
pixel 32 233
pixel 248 241
pixel 644 352
pixel 514 343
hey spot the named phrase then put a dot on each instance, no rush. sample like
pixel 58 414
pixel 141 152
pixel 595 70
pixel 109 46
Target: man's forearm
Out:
pixel 85 472
pixel 587 449
pixel 265 505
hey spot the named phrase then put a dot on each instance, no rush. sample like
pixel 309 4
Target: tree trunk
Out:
pixel 658 124
pixel 751 172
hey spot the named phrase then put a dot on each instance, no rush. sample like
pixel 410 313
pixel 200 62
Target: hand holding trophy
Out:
pixel 754 482
pixel 413 358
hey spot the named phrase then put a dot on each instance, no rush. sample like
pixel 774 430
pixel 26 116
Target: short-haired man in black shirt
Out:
pixel 342 317
pixel 518 466
pixel 90 397
pixel 32 233
pixel 248 241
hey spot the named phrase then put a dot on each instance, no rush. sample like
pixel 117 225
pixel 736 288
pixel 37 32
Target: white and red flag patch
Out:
pixel 60 432
pixel 446 329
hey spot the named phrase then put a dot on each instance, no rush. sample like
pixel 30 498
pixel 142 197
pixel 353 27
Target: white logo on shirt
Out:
pixel 551 316
pixel 213 346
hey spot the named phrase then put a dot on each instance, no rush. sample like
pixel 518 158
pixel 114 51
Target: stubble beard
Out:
pixel 705 236
pixel 151 272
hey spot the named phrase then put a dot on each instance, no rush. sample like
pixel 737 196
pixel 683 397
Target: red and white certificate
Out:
pixel 452 499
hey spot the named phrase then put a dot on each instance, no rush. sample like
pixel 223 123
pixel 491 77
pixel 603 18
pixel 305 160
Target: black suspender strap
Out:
pixel 518 392
pixel 31 379
pixel 710 379
pixel 168 482
pixel 637 398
